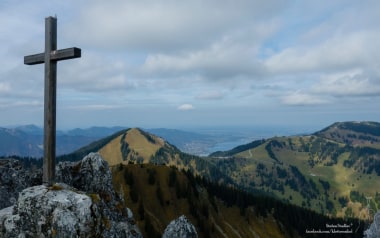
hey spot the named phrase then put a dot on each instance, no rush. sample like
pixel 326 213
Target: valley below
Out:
pixel 330 176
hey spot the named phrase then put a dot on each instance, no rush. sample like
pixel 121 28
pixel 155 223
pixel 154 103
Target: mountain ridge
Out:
pixel 27 140
pixel 324 171
pixel 324 174
pixel 353 133
pixel 328 171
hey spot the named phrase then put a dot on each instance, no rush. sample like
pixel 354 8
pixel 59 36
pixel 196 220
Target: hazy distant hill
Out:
pixel 94 131
pixel 26 141
pixel 208 140
pixel 30 129
pixel 364 134
pixel 17 142
pixel 188 142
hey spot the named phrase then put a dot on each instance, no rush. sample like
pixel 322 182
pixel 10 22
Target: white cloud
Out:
pixel 302 99
pixel 339 52
pixel 95 107
pixel 21 104
pixel 157 53
pixel 92 73
pixel 5 87
pixel 354 83
pixel 210 95
pixel 328 37
pixel 210 40
pixel 186 107
pixel 165 25
pixel 228 58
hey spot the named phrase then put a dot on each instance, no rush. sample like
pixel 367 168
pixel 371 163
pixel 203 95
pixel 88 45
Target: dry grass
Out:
pixel 111 152
pixel 226 222
pixel 139 143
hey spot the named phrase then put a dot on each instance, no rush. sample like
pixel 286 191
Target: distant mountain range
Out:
pixel 27 140
pixel 197 143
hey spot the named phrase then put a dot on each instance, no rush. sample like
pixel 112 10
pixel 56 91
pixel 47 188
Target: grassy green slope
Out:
pixel 316 171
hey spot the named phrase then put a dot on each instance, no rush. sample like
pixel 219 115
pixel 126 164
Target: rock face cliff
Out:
pixel 85 205
pixel 180 228
pixel 373 230
pixel 60 211
pixel 13 179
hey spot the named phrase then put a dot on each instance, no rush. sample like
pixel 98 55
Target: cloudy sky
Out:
pixel 195 63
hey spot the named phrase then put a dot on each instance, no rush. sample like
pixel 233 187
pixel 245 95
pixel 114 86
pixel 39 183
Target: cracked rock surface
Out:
pixel 373 230
pixel 84 206
pixel 13 179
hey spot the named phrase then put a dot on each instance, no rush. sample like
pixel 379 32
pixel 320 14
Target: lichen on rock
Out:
pixel 42 212
pixel 68 209
pixel 13 179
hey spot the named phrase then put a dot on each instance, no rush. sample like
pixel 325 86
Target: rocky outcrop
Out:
pixel 82 203
pixel 13 179
pixel 60 211
pixel 374 229
pixel 91 174
pixel 84 206
pixel 180 228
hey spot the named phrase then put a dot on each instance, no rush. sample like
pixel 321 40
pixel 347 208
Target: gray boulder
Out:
pixel 13 179
pixel 84 206
pixel 42 212
pixel 60 211
pixel 374 229
pixel 91 174
pixel 180 228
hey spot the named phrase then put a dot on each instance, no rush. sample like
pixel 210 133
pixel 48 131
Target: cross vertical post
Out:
pixel 50 58
pixel 50 101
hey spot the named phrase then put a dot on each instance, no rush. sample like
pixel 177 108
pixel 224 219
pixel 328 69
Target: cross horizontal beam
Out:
pixel 56 55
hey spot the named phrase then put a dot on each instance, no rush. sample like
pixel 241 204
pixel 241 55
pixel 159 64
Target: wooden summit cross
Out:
pixel 50 58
